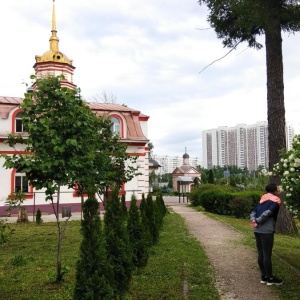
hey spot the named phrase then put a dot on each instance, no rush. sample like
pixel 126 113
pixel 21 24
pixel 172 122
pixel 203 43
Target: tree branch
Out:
pixel 221 57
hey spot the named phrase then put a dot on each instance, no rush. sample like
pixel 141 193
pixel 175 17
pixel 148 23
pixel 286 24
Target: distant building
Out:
pixel 244 146
pixel 169 163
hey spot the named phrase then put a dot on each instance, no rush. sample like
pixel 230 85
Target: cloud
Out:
pixel 150 55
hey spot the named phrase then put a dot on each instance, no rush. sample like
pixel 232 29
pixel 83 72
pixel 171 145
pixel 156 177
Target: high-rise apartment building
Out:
pixel 242 145
pixel 170 163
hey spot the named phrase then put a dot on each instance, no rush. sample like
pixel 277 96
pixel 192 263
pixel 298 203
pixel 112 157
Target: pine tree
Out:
pixel 117 244
pixel 94 276
pixel 137 235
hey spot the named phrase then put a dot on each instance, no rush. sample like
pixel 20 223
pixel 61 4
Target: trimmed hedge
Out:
pixel 224 200
pixel 216 201
pixel 195 194
pixel 240 207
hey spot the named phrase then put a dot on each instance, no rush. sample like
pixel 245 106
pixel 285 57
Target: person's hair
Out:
pixel 271 188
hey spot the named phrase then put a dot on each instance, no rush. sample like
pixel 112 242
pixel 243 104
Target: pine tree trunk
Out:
pixel 286 223
pixel 275 86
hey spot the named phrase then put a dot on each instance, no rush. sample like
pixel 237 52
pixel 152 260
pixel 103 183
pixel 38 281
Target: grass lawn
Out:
pixel 177 266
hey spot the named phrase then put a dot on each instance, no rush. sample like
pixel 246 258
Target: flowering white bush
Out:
pixel 288 169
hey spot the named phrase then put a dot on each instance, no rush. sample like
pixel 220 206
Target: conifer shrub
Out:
pixel 152 214
pixel 94 276
pixel 161 204
pixel 137 235
pixel 161 209
pixel 118 248
pixel 38 217
pixel 145 221
pixel 123 206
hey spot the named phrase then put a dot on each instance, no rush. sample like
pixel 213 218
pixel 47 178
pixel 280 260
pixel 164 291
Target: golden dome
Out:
pixel 53 55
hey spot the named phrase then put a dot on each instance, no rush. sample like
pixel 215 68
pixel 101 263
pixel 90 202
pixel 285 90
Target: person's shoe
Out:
pixel 274 281
pixel 264 279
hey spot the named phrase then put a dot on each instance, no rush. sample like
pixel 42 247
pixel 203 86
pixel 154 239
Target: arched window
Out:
pixel 116 127
pixel 19 123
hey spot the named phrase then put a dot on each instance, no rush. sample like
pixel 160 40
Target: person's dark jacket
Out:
pixel 265 213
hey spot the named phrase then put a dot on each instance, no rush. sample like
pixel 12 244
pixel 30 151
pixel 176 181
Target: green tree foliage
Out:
pixel 117 244
pixel 94 276
pixel 67 145
pixel 237 21
pixel 137 235
pixel 232 181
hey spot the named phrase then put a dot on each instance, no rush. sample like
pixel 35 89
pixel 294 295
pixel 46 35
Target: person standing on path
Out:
pixel 263 219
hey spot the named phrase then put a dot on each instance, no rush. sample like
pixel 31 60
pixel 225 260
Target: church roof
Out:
pixel 109 107
pixel 132 117
pixel 7 104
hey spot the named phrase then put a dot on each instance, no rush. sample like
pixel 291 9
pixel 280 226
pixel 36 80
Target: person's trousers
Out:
pixel 264 244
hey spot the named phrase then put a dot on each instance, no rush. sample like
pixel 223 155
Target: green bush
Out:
pixel 195 194
pixel 240 207
pixel 5 232
pixel 216 201
pixel 254 196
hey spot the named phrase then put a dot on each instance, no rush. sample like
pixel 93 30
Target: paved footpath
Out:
pixel 237 274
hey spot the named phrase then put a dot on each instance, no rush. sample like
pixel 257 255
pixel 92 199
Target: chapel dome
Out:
pixel 185 155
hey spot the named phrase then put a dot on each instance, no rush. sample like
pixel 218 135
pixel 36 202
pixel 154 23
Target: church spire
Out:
pixel 54 40
pixel 53 62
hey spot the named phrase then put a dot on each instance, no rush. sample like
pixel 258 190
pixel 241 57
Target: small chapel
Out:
pixel 130 124
pixel 183 177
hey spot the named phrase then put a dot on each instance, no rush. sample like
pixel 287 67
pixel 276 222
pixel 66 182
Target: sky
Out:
pixel 155 56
